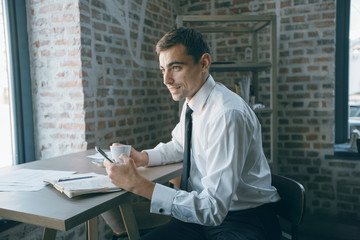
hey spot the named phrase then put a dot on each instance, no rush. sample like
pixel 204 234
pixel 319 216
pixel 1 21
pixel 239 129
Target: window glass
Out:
pixel 5 120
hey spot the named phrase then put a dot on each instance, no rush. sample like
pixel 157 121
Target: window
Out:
pixel 347 78
pixel 16 90
pixel 5 126
pixel 16 100
pixel 354 65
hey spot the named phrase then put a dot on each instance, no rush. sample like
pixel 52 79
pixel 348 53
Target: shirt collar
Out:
pixel 198 101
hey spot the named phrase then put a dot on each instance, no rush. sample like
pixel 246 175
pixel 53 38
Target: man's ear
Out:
pixel 205 61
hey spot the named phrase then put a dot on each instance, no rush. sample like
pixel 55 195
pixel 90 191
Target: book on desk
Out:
pixel 80 184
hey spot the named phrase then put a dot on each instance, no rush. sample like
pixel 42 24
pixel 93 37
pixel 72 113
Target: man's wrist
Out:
pixel 145 157
pixel 144 188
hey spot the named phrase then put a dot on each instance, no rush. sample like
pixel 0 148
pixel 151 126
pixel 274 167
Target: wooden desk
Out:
pixel 55 211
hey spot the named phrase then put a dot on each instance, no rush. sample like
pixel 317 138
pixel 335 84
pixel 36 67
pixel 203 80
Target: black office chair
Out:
pixel 291 207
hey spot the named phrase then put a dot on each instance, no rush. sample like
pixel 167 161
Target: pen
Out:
pixel 98 149
pixel 70 179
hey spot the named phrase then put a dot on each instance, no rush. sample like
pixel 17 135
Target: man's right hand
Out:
pixel 141 159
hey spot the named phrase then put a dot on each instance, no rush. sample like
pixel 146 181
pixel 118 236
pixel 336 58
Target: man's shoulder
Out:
pixel 227 98
pixel 224 101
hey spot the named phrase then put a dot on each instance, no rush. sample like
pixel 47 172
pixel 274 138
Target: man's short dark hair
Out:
pixel 194 42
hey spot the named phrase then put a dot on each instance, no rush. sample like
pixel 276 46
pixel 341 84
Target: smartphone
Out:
pixel 98 149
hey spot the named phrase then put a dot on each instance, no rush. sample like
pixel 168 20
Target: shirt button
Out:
pixel 161 210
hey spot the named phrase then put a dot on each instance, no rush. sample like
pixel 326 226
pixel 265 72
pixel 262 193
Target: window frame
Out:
pixel 342 71
pixel 21 97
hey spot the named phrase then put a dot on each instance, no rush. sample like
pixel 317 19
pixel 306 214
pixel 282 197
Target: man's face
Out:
pixel 181 75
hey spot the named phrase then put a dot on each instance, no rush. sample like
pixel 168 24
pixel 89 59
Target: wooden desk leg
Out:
pixel 91 228
pixel 49 234
pixel 129 221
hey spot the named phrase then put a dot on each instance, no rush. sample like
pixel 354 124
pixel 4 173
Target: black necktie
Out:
pixel 186 162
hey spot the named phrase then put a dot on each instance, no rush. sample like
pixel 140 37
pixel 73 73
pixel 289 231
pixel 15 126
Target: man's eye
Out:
pixel 176 68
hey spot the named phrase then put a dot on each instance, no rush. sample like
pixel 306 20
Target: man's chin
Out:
pixel 177 98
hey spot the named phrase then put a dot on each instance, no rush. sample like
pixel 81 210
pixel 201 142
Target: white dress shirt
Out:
pixel 229 170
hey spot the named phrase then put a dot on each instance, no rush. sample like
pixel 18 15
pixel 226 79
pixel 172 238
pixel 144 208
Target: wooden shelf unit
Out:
pixel 233 67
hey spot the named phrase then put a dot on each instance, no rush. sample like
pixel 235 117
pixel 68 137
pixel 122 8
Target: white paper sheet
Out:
pixel 28 179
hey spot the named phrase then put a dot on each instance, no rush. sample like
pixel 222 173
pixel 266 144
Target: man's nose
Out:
pixel 167 77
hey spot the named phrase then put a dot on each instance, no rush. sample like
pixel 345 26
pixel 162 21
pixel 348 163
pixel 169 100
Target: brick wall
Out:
pixel 306 103
pixel 125 99
pixel 58 98
pixel 306 79
pixel 95 77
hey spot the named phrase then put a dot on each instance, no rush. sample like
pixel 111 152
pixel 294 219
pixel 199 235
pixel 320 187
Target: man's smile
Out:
pixel 173 88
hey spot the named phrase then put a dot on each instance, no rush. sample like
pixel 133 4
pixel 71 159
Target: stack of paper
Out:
pixel 28 179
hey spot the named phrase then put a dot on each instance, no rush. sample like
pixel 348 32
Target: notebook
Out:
pixel 80 184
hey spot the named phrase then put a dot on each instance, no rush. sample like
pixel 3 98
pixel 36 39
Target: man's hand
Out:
pixel 126 176
pixel 141 159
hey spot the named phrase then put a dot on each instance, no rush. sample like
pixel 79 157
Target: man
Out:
pixel 229 186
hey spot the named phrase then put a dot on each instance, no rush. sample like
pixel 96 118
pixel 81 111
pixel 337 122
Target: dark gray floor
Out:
pixel 328 228
pixel 325 228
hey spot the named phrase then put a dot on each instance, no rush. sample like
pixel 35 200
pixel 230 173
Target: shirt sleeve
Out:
pixel 165 153
pixel 162 199
pixel 227 143
pixel 170 152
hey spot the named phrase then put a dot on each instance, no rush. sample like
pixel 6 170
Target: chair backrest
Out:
pixel 292 204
